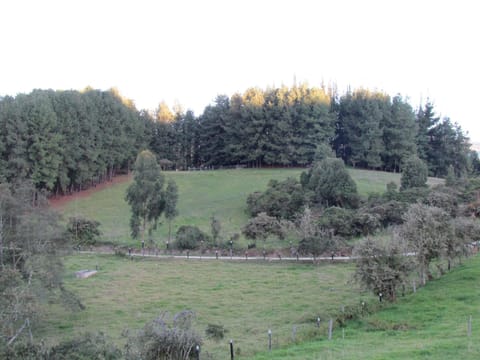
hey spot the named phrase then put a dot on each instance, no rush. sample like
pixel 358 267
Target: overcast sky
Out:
pixel 190 51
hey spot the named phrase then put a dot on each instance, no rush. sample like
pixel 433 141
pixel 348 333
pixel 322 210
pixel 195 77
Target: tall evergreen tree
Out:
pixel 360 115
pixel 399 131
pixel 213 133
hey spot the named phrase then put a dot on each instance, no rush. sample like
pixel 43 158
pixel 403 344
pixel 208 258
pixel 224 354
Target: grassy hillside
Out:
pixel 431 324
pixel 201 195
pixel 246 298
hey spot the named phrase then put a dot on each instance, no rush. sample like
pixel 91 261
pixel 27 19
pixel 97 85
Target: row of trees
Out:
pixel 323 210
pixel 430 234
pixel 67 140
pixel 288 126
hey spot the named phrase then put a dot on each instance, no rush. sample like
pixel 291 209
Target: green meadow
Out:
pixel 202 194
pixel 430 324
pixel 247 298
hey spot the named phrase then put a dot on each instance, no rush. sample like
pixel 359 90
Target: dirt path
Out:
pixel 60 201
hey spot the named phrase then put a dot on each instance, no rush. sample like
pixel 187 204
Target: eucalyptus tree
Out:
pixel 145 195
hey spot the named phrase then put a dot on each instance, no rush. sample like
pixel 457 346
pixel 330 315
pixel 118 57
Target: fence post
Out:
pixel 294 332
pixel 330 328
pixel 231 349
pixel 269 340
pixel 469 326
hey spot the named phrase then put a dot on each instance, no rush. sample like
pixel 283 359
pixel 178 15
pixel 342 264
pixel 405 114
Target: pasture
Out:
pixel 430 324
pixel 246 298
pixel 202 194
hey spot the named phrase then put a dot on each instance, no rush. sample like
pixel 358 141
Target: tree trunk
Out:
pixel 1 242
pixel 169 230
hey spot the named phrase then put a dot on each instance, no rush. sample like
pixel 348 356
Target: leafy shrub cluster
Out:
pixel 83 231
pixel 190 238
pixel 160 339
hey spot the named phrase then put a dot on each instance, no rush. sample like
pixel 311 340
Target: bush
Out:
pixel 390 212
pixel 161 339
pixel 86 347
pixel 215 332
pixel 190 237
pixel 330 184
pixel 282 199
pixel 414 174
pixel 83 231
pixel 339 220
pixel 22 351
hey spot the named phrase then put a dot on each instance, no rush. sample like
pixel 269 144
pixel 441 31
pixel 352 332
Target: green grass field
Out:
pixel 201 195
pixel 250 298
pixel 246 298
pixel 431 324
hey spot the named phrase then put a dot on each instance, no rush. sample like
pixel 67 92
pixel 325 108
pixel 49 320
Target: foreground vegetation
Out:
pixel 246 298
pixel 430 324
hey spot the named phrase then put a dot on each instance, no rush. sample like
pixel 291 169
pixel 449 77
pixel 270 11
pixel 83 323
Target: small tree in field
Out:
pixel 262 226
pixel 427 230
pixel 83 231
pixel 313 239
pixel 381 266
pixel 328 183
pixel 145 195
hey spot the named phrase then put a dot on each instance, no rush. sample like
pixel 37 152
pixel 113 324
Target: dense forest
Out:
pixel 68 140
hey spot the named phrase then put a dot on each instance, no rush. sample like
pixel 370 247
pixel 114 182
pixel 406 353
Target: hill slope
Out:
pixel 202 194
pixel 431 324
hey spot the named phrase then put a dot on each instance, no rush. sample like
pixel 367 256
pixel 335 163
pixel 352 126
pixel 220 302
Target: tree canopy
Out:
pixel 145 195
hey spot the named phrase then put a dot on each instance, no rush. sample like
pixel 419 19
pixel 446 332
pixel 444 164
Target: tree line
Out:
pixel 289 126
pixel 64 141
pixel 68 140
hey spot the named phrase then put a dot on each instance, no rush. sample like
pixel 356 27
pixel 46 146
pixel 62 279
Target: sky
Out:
pixel 190 51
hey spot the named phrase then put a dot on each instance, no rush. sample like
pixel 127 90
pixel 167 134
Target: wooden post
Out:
pixel 318 322
pixel 294 333
pixel 231 350
pixel 330 328
pixel 269 340
pixel 469 326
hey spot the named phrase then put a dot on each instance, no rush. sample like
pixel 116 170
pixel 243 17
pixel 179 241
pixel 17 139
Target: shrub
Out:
pixel 162 339
pixel 215 332
pixel 282 199
pixel 414 174
pixel 190 237
pixel 339 220
pixel 330 184
pixel 86 347
pixel 83 231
